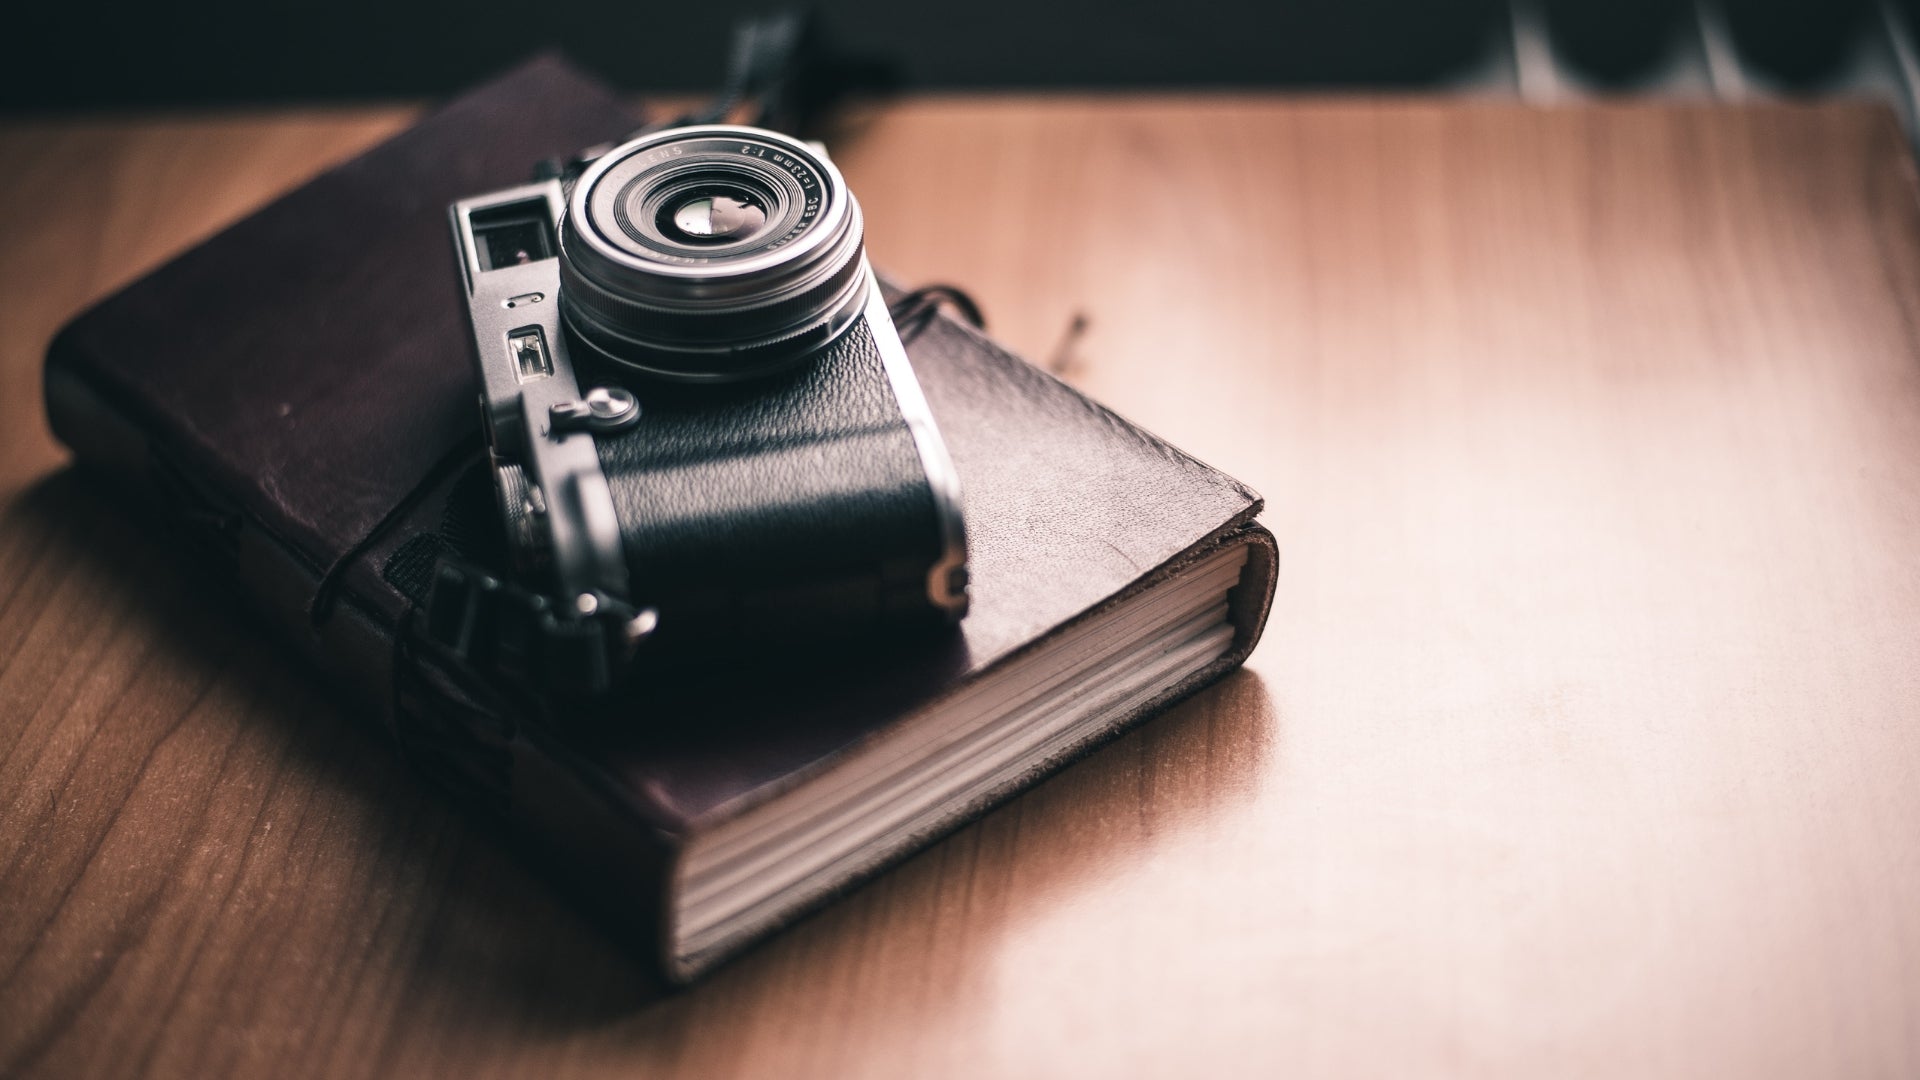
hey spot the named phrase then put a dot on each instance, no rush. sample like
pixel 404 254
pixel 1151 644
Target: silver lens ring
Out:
pixel 710 253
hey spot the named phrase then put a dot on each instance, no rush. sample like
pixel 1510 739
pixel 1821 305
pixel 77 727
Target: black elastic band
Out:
pixel 914 310
pixel 462 453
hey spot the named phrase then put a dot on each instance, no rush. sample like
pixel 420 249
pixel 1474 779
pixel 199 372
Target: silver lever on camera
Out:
pixel 604 409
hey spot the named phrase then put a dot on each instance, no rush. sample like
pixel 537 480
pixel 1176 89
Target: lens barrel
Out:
pixel 711 253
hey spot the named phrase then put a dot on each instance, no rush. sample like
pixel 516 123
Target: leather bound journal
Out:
pixel 296 394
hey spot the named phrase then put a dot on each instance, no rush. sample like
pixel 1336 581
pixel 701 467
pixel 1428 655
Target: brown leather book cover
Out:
pixel 296 393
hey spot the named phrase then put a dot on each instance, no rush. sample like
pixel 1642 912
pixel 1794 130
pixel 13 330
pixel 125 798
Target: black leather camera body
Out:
pixel 702 424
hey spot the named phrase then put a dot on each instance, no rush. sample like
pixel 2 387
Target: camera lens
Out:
pixel 713 217
pixel 710 253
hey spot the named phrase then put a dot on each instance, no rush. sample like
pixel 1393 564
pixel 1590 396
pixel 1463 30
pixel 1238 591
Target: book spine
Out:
pixel 213 527
pixel 464 741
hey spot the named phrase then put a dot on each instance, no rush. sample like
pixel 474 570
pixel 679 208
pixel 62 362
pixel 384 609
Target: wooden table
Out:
pixel 1585 739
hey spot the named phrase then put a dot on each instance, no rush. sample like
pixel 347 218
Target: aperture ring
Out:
pixel 701 359
pixel 717 324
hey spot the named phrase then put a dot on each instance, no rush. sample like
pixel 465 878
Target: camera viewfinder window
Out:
pixel 511 235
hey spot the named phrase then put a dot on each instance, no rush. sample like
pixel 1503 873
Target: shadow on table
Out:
pixel 473 943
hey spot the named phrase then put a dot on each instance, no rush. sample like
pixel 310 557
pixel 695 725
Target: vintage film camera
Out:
pixel 702 425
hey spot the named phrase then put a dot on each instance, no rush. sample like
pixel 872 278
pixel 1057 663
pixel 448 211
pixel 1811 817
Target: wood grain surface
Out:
pixel 1585 740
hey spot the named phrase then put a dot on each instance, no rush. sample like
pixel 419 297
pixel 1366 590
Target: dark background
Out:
pixel 83 55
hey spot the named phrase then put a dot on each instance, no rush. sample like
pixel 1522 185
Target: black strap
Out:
pixel 914 310
pixel 781 75
pixel 496 626
pixel 766 54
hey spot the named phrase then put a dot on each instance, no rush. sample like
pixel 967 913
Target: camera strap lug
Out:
pixel 566 651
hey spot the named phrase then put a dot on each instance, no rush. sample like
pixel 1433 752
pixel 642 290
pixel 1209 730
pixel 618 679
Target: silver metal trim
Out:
pixel 564 467
pixel 945 588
